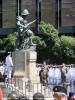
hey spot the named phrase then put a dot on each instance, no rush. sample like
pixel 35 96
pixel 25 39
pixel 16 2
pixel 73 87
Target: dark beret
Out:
pixel 60 89
pixel 38 96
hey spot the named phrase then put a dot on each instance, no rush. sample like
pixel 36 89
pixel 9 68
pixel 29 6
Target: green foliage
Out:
pixel 9 42
pixel 51 46
pixel 1 42
pixel 49 37
pixel 68 48
pixel 37 40
pixel 48 31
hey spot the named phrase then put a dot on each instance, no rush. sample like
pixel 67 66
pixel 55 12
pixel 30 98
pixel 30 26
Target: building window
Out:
pixel 8 13
pixel 68 12
pixel 48 11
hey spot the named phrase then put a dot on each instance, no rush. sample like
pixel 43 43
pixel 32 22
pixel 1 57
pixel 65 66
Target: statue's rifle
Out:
pixel 30 23
pixel 25 26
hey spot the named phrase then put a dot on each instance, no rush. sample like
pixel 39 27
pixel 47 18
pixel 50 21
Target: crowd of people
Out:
pixel 55 74
pixel 48 74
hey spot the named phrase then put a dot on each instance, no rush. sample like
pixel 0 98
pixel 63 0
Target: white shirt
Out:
pixel 2 69
pixel 9 61
pixel 38 70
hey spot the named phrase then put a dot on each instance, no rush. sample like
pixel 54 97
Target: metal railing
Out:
pixel 29 88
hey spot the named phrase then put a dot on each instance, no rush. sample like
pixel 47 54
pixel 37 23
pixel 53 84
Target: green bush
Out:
pixel 10 41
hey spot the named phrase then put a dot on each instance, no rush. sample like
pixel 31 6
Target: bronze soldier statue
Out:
pixel 24 33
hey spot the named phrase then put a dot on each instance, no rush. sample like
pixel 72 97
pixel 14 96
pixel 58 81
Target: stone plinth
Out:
pixel 25 64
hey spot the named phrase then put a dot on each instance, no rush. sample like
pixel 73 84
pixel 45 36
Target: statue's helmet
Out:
pixel 25 12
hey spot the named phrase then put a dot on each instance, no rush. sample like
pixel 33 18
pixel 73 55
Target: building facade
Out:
pixel 60 13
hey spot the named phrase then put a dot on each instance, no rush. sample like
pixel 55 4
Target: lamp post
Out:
pixel 18 7
pixel 58 15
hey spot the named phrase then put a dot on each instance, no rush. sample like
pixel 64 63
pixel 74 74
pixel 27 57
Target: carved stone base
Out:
pixel 25 64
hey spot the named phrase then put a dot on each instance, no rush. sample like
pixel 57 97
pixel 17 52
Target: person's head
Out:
pixel 59 96
pixel 71 96
pixel 43 67
pixel 44 63
pixel 63 64
pixel 38 96
pixel 9 53
pixel 60 93
pixel 72 65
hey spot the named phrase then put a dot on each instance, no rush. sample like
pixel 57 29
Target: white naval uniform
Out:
pixel 6 73
pixel 70 75
pixel 9 64
pixel 74 74
pixel 2 69
pixel 51 76
pixel 57 76
pixel 38 69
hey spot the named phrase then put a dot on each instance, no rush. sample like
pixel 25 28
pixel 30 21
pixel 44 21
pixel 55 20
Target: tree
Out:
pixel 1 44
pixel 49 35
pixel 68 48
pixel 57 49
pixel 9 42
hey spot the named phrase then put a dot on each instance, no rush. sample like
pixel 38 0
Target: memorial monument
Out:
pixel 25 52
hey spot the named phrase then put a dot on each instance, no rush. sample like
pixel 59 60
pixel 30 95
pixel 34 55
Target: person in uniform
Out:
pixel 70 75
pixel 57 75
pixel 43 74
pixel 51 75
pixel 1 72
pixel 63 73
pixel 6 73
pixel 9 63
pixel 60 93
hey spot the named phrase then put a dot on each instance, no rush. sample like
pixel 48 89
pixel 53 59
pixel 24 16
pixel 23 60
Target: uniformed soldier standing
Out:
pixel 43 75
pixel 63 73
